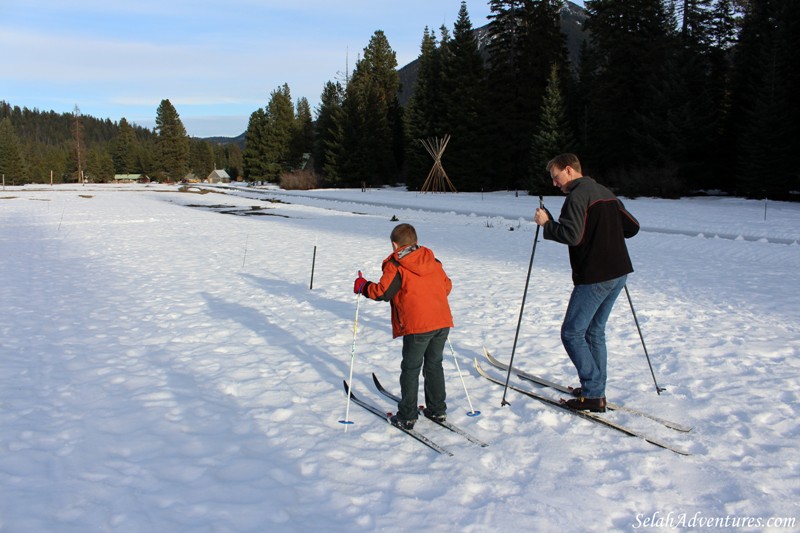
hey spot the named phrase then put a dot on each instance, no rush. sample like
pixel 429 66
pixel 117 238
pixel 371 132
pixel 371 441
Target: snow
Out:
pixel 165 366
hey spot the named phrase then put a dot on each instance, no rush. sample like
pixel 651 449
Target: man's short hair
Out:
pixel 563 161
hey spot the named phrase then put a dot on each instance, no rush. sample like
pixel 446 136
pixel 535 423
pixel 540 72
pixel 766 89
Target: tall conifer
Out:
pixel 467 155
pixel 254 155
pixel 124 149
pixel 553 136
pixel 526 40
pixel 424 114
pixel 373 138
pixel 629 48
pixel 329 131
pixel 172 142
pixel 12 164
pixel 765 100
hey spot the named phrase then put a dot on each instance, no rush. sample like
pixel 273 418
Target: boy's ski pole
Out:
pixel 658 389
pixel 472 411
pixel 346 420
pixel 522 306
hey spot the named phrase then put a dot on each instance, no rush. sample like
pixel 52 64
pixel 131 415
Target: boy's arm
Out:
pixel 387 287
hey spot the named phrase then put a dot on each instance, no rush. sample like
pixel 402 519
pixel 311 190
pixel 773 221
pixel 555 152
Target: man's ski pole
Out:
pixel 346 420
pixel 522 306
pixel 472 411
pixel 658 389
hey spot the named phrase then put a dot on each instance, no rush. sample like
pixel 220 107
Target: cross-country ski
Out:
pixel 599 419
pixel 562 388
pixel 444 423
pixel 385 416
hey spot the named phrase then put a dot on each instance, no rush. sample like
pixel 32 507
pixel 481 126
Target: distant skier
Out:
pixel 595 224
pixel 416 287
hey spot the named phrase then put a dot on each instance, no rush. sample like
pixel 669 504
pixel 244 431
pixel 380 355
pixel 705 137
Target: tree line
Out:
pixel 665 98
pixel 38 146
pixel 668 97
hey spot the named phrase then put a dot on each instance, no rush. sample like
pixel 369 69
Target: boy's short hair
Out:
pixel 404 235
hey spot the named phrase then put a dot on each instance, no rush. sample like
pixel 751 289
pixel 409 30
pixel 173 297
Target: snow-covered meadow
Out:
pixel 165 366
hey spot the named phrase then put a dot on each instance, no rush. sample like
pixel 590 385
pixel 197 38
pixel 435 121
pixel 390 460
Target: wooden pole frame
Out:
pixel 437 180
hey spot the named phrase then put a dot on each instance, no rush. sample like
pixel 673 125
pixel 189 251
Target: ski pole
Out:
pixel 472 411
pixel 522 306
pixel 628 294
pixel 346 420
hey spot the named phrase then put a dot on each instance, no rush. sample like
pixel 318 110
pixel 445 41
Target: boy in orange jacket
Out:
pixel 416 287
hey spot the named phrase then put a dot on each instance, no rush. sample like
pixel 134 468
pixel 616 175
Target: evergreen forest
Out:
pixel 657 97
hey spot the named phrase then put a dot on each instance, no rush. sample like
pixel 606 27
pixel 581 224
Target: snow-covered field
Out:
pixel 165 366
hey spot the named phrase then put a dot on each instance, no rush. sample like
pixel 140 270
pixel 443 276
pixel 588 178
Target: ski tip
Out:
pixel 473 413
pixel 347 422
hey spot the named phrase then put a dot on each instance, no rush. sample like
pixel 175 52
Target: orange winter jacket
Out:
pixel 416 287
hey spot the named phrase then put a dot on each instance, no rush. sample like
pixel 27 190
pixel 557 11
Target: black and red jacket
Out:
pixel 594 223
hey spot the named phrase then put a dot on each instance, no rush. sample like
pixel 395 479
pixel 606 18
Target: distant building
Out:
pixel 131 178
pixel 218 176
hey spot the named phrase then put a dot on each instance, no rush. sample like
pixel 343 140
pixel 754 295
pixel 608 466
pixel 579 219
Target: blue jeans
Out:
pixel 583 332
pixel 422 351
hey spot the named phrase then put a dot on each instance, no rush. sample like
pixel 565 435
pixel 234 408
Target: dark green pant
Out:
pixel 422 351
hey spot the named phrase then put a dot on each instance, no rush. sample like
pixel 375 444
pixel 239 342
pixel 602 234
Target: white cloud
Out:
pixel 209 58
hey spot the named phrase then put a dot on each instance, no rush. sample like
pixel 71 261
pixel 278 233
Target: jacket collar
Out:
pixel 402 252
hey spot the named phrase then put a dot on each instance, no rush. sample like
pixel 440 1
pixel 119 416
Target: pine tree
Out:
pixel 526 40
pixel 553 136
pixel 425 111
pixel 201 161
pixel 467 155
pixel 254 156
pixel 303 136
pixel 234 162
pixel 123 149
pixel 711 155
pixel 373 140
pixel 765 102
pixel 329 131
pixel 12 164
pixel 788 59
pixel 279 133
pixel 629 44
pixel 172 142
pixel 99 165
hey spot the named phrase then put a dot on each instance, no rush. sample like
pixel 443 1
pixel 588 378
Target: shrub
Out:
pixel 299 180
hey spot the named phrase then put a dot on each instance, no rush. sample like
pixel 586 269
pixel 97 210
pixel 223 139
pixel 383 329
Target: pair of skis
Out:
pixel 427 441
pixel 583 414
pixel 599 419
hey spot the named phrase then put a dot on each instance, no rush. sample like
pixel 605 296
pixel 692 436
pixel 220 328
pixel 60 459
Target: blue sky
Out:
pixel 217 61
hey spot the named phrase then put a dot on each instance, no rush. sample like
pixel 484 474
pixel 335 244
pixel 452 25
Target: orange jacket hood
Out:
pixel 416 285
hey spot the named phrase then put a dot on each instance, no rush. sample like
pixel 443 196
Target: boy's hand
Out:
pixel 359 284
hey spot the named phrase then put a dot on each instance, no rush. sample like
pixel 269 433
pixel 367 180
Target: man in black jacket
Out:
pixel 594 224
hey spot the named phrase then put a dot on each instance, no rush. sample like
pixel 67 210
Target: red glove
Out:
pixel 359 284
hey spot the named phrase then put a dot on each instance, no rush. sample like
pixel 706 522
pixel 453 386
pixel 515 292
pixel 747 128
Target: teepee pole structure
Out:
pixel 437 180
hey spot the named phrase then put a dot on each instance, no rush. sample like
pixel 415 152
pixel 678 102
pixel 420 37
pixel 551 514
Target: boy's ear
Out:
pixel 395 246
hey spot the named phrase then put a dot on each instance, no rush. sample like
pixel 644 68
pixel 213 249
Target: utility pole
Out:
pixel 78 143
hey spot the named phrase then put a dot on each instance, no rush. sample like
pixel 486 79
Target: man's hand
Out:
pixel 541 217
